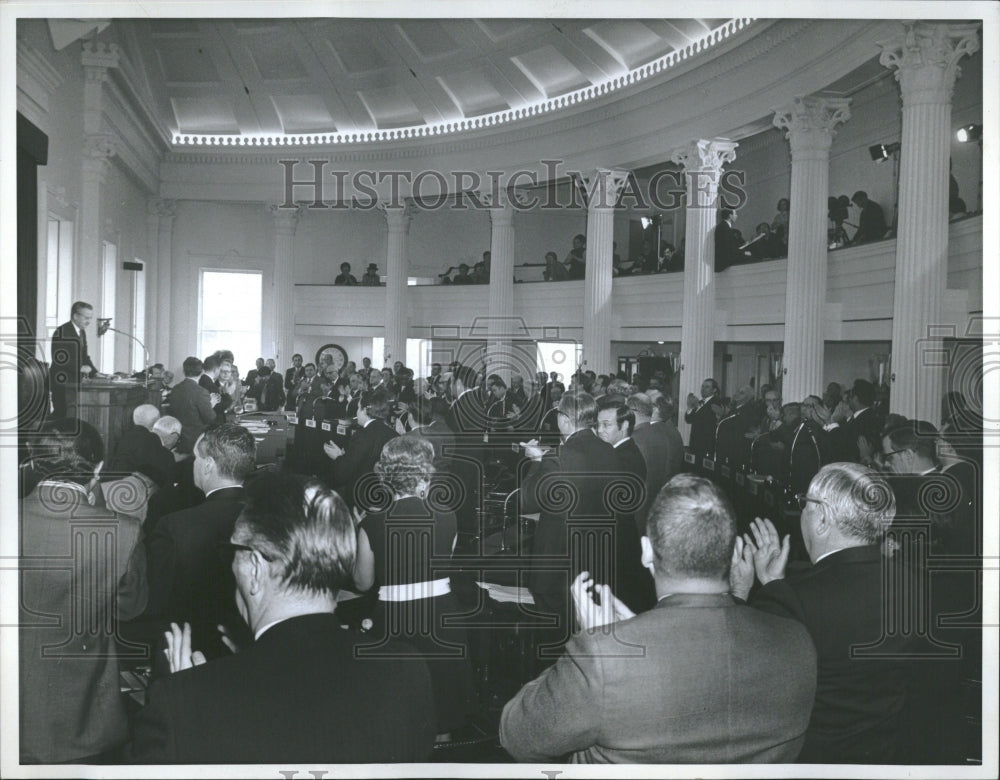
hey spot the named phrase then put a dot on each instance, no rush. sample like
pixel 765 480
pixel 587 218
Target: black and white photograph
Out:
pixel 698 471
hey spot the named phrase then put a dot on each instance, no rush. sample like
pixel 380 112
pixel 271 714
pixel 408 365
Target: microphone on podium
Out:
pixel 104 325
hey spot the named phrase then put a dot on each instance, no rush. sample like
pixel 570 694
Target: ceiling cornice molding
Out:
pixel 769 36
pixel 37 79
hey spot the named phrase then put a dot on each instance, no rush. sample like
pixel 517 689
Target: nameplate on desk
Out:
pixel 726 472
pixel 325 426
pixel 689 458
pixel 769 497
pixel 342 429
pixel 740 478
pixel 310 423
pixel 293 419
pixel 708 464
pixel 751 487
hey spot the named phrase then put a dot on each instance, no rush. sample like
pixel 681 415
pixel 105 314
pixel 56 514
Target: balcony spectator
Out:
pixel 779 225
pixel 345 277
pixel 371 277
pixel 576 260
pixel 463 276
pixel 871 223
pixel 554 270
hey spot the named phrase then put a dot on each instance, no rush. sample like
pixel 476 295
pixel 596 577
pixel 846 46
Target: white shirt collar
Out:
pixel 263 628
pixel 216 490
pixel 828 554
pixel 622 441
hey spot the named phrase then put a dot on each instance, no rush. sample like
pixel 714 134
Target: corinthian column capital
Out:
pixel 705 154
pixel 811 121
pixel 925 57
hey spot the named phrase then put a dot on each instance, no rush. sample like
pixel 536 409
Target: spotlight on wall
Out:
pixel 969 133
pixel 647 222
pixel 881 152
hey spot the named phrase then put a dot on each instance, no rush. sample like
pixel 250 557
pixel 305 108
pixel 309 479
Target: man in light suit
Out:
pixel 70 360
pixel 192 404
pixel 298 692
pixel 700 678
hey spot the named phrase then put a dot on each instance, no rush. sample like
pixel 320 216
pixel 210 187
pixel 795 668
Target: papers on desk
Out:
pixel 506 594
pixel 256 428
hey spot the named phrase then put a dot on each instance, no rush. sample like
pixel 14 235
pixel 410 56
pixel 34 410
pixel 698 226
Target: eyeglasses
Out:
pixel 896 452
pixel 227 552
pixel 803 499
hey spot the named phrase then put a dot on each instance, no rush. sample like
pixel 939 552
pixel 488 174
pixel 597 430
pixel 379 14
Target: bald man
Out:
pixel 140 450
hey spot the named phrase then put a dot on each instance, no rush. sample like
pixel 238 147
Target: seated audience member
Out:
pixel 72 710
pixel 299 692
pixel 841 601
pixel 345 277
pixel 371 277
pixel 349 465
pixel 779 225
pixel 576 260
pixel 765 244
pixel 395 551
pixel 139 450
pixel 463 276
pixel 186 582
pixel 659 687
pixel 192 404
pixel 956 206
pixel 871 222
pixel 727 241
pixel 554 270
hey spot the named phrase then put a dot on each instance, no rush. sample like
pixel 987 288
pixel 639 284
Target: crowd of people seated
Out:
pixel 370 278
pixel 312 612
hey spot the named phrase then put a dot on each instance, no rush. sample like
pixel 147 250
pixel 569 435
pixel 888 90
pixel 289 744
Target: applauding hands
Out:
pixel 595 605
pixel 761 552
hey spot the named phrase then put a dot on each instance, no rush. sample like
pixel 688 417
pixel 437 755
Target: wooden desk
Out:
pixel 270 431
pixel 108 406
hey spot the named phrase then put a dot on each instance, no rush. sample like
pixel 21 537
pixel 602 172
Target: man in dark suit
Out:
pixel 251 378
pixel 192 404
pixel 293 376
pixel 71 707
pixel 701 418
pixel 727 241
pixel 732 447
pixel 700 678
pixel 871 221
pixel 70 360
pixel 364 449
pixel 865 423
pixel 299 692
pixel 186 580
pixel 566 487
pixel 469 410
pixel 861 686
pixel 632 583
pixel 209 379
pixel 664 416
pixel 654 445
pixel 141 450
pixel 268 390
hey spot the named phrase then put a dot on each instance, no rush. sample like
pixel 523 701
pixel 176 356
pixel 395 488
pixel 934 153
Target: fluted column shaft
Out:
pixel 397 219
pixel 603 188
pixel 810 123
pixel 702 161
pixel 925 57
pixel 285 222
pixel 500 329
pixel 161 225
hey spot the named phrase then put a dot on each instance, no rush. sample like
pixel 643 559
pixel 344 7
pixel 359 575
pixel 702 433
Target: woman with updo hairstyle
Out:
pixel 395 547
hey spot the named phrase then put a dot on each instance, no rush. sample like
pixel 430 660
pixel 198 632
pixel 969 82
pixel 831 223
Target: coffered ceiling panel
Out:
pixel 256 78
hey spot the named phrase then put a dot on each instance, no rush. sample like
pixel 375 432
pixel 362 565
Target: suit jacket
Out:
pixel 189 403
pixel 71 706
pixel 703 422
pixel 858 699
pixel 701 678
pixel 563 487
pixel 867 423
pixel 632 582
pixel 362 453
pixel 469 412
pixel 297 694
pixel 74 355
pixel 675 448
pixel 187 579
pixel 732 445
pixel 871 224
pixel 141 450
pixel 727 246
pixel 270 393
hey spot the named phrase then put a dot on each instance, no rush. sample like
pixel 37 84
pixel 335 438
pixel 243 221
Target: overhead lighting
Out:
pixel 969 133
pixel 661 342
pixel 881 152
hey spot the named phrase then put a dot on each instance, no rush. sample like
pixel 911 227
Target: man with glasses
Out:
pixel 302 690
pixel 186 582
pixel 839 598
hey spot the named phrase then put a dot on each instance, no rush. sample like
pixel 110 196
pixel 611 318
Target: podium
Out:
pixel 108 406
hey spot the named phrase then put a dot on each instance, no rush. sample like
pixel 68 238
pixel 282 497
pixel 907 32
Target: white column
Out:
pixel 285 222
pixel 702 161
pixel 925 56
pixel 603 188
pixel 810 122
pixel 160 223
pixel 397 219
pixel 501 327
pixel 98 149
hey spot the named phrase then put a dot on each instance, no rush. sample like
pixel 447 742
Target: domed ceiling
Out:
pixel 253 81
